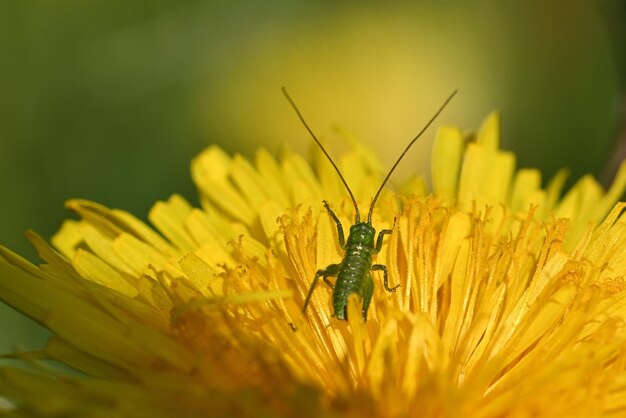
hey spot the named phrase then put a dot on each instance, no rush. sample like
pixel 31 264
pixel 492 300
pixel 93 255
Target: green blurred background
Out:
pixel 109 100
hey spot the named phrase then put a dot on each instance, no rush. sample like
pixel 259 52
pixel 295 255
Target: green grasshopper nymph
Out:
pixel 354 273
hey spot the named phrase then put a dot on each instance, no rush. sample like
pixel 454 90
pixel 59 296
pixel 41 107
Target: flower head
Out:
pixel 511 298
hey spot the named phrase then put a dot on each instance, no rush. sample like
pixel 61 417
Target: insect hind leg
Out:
pixel 331 270
pixel 383 268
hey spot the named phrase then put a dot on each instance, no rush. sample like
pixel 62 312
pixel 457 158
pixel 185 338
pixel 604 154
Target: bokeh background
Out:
pixel 109 100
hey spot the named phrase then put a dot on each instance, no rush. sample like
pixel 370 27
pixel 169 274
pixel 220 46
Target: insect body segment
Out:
pixel 354 273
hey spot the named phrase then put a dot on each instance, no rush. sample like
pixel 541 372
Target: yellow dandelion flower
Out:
pixel 511 300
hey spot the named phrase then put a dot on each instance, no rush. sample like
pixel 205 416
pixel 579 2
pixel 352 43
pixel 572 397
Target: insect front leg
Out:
pixel 340 236
pixel 331 270
pixel 383 268
pixel 381 234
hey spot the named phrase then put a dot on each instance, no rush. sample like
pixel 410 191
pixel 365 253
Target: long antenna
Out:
pixel 357 214
pixel 369 214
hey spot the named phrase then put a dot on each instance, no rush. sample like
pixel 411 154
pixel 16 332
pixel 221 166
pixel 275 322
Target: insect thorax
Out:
pixel 361 234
